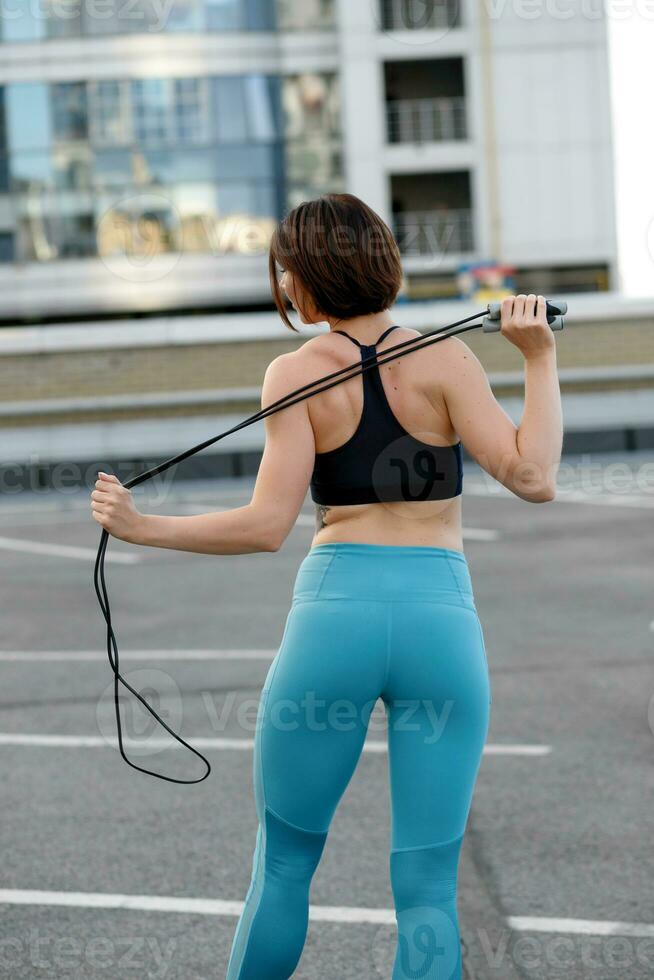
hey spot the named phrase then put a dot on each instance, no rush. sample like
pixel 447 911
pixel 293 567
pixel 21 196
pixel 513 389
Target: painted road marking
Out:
pixel 581 927
pixel 67 551
pixel 471 533
pixel 45 656
pixel 303 520
pixel 309 520
pixel 318 913
pixel 219 744
pixel 567 496
pixel 185 906
pixel 480 534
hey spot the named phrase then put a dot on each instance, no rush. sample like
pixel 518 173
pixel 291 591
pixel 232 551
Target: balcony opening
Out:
pixel 420 15
pixel 432 213
pixel 425 101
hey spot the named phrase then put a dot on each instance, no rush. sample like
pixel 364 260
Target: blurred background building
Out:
pixel 148 147
pixel 138 130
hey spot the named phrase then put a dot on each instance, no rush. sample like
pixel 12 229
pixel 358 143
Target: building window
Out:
pixel 185 15
pixel 29 117
pixel 420 15
pixel 110 118
pixel 6 247
pixel 153 121
pixel 169 110
pixel 190 110
pixel 305 15
pixel 69 111
pixel 26 20
pixel 245 109
pixel 4 162
pixel 220 158
pixel 224 15
pixel 240 15
pixel 311 104
pixel 20 21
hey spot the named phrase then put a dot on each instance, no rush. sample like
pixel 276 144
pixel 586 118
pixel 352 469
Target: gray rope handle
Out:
pixel 556 309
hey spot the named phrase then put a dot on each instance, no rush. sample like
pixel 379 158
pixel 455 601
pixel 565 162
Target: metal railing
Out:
pixel 419 15
pixel 437 232
pixel 426 120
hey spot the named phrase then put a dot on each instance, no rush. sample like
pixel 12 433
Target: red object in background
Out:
pixel 486 281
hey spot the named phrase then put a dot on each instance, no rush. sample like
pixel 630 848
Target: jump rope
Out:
pixel 555 310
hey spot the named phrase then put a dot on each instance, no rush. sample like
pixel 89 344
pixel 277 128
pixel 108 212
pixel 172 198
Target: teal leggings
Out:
pixel 368 621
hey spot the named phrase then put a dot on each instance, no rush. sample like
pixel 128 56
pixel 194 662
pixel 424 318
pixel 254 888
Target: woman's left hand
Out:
pixel 112 506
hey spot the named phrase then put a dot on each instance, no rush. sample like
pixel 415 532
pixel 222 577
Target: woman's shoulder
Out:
pixel 325 348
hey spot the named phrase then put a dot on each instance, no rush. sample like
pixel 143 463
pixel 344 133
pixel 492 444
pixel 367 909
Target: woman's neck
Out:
pixel 365 329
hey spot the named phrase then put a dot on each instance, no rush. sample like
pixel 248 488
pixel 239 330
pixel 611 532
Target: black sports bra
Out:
pixel 382 461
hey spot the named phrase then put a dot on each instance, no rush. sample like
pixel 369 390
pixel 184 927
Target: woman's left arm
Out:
pixel 261 525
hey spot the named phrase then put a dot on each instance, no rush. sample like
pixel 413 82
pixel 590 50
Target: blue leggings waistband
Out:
pixel 403 573
pixel 361 547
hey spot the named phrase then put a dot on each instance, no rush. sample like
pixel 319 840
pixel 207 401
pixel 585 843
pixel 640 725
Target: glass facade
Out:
pixel 210 163
pixel 33 20
pixel 311 107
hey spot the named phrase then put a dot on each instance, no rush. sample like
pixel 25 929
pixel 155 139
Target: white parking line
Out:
pixel 568 495
pixel 46 656
pixel 67 551
pixel 309 520
pixel 480 534
pixel 47 517
pixel 317 913
pixel 506 749
pixel 472 533
pixel 303 520
pixel 605 499
pixel 82 510
pixel 220 744
pixel 184 906
pixel 24 516
pixel 581 927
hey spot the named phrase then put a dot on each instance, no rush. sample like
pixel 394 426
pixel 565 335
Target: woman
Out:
pixel 383 605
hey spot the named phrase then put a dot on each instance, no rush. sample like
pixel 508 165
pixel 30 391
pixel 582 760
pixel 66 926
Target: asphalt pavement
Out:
pixel 110 873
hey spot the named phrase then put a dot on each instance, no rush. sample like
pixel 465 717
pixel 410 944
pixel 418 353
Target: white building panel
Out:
pixel 553 144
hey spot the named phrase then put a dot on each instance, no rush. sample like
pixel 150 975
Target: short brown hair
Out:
pixel 341 252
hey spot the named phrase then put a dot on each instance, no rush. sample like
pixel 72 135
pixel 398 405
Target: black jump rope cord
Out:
pixel 414 343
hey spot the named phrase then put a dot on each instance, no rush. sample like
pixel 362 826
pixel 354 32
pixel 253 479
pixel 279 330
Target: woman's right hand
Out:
pixel 524 324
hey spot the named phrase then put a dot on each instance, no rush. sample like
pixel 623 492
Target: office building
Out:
pixel 147 147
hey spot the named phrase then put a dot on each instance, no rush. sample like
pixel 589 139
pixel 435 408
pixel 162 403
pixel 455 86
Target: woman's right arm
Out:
pixel 523 458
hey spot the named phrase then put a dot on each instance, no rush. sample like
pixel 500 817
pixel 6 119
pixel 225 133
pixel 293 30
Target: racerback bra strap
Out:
pixel 378 341
pixel 353 339
pixel 386 333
